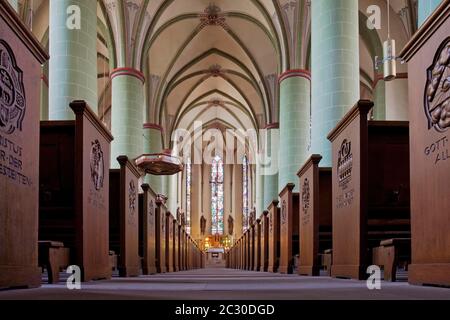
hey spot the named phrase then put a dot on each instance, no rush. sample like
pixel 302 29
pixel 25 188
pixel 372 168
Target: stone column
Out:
pixel 44 94
pixel 379 89
pixel 127 112
pixel 271 167
pixel 196 198
pixel 426 8
pixel 73 52
pixel 295 106
pixel 335 68
pixel 172 194
pixel 237 200
pixel 153 144
pixel 259 189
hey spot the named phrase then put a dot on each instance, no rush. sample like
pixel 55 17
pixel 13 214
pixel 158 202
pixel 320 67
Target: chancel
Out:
pixel 198 149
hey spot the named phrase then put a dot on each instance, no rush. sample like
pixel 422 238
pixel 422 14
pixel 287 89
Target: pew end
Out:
pixel 327 261
pixel 54 257
pixel 391 254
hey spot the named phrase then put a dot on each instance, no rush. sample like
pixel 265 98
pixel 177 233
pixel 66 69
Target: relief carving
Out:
pixel 12 91
pixel 437 92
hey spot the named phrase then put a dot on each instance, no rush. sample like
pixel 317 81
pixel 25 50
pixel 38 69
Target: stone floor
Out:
pixel 225 284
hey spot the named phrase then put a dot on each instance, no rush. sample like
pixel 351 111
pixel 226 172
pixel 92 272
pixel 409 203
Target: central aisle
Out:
pixel 226 284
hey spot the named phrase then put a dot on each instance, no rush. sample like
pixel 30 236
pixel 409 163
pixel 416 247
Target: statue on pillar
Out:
pixel 230 225
pixel 203 225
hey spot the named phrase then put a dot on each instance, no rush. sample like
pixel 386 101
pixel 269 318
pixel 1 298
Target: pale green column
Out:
pixel 14 4
pixel 127 114
pixel 259 190
pixel 153 144
pixel 73 56
pixel 379 111
pixel 172 202
pixel 335 68
pixel 165 185
pixel 44 93
pixel 271 169
pixel 426 8
pixel 295 106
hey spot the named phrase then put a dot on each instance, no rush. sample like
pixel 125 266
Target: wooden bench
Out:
pixel 315 215
pixel 113 261
pixel 289 228
pixel 160 219
pixel 169 242
pixel 371 201
pixel 274 236
pixel 391 254
pixel 147 230
pixel 124 216
pixel 245 251
pixel 54 257
pixel 327 261
pixel 252 247
pixel 264 225
pixel 22 58
pixel 257 246
pixel 74 189
pixel 426 56
pixel 176 245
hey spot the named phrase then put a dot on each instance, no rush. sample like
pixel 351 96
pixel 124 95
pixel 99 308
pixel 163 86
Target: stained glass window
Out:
pixel 245 200
pixel 217 196
pixel 188 195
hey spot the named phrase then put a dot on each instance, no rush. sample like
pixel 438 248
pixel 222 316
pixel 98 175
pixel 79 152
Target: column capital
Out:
pixel 128 72
pixel 379 77
pixel 295 73
pixel 153 126
pixel 271 126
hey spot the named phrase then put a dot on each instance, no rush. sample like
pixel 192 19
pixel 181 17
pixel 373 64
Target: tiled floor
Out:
pixel 218 284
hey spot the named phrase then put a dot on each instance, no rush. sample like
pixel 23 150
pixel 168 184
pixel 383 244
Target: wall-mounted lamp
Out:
pixel 389 59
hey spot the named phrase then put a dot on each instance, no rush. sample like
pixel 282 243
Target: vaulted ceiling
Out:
pixel 215 61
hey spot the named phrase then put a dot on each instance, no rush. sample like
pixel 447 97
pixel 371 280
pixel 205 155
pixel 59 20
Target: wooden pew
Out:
pixel 160 219
pixel 327 261
pixel 371 188
pixel 188 266
pixel 244 251
pixel 22 57
pixel 390 254
pixel 274 236
pixel 315 215
pixel 247 250
pixel 19 152
pixel 176 246
pixel 427 58
pixel 147 230
pixel 237 254
pixel 289 236
pixel 264 225
pixel 169 242
pixel 54 257
pixel 189 252
pixel 184 249
pixel 178 256
pixel 257 241
pixel 74 189
pixel 251 240
pixel 231 258
pixel 124 216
